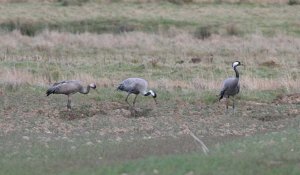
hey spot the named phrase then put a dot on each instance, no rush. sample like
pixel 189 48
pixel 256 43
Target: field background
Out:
pixel 184 48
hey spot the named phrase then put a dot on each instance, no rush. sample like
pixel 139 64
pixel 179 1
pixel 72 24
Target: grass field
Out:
pixel 184 50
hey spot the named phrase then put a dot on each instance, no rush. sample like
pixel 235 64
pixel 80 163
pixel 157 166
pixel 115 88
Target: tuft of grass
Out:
pixel 180 2
pixel 26 27
pixel 209 97
pixel 203 32
pixel 72 2
pixel 232 29
pixel 293 2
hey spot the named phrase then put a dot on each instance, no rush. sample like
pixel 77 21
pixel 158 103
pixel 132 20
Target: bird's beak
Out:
pixel 155 101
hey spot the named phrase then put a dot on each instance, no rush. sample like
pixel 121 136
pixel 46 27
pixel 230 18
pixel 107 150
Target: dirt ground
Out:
pixel 114 121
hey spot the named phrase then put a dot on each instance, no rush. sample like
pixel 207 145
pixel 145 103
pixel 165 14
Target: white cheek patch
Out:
pixel 152 93
pixel 92 85
pixel 235 64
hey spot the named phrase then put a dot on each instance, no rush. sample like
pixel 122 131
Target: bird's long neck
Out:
pixel 85 90
pixel 147 93
pixel 237 75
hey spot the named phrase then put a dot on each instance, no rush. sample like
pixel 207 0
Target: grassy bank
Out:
pixel 273 153
pixel 268 154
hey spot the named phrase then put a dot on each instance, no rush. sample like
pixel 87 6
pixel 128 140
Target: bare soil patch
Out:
pixel 146 130
pixel 116 121
pixel 288 99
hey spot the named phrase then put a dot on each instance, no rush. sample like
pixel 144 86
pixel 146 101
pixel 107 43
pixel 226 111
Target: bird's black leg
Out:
pixel 227 103
pixel 69 102
pixel 127 99
pixel 155 101
pixel 134 100
pixel 233 105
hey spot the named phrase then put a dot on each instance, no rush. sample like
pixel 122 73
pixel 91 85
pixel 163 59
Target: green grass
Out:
pixel 266 96
pixel 273 153
pixel 153 17
pixel 98 25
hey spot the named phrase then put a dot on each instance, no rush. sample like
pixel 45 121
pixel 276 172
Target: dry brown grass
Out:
pixel 19 77
pixel 22 1
pixel 147 1
pixel 207 1
pixel 257 46
pixel 214 1
pixel 252 50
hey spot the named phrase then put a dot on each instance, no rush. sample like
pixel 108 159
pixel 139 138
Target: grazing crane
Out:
pixel 136 86
pixel 231 85
pixel 68 88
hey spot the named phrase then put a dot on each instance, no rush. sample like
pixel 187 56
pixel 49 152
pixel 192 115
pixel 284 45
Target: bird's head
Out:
pixel 93 85
pixel 236 63
pixel 153 94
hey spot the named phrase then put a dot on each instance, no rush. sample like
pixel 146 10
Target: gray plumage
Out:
pixel 68 88
pixel 231 85
pixel 136 86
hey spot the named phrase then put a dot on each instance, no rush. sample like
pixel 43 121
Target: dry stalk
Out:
pixel 203 146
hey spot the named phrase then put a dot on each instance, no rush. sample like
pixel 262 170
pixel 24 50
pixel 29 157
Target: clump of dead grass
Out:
pixel 270 63
pixel 153 49
pixel 256 45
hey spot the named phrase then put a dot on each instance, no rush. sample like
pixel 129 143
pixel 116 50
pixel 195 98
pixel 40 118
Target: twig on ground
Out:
pixel 203 146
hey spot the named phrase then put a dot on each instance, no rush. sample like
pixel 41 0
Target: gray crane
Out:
pixel 136 86
pixel 231 86
pixel 68 88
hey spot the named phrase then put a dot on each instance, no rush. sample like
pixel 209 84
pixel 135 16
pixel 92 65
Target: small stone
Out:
pixel 89 143
pixel 190 173
pixel 118 139
pixel 25 137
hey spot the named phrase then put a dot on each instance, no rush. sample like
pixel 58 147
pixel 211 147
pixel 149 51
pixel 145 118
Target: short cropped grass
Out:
pixel 272 153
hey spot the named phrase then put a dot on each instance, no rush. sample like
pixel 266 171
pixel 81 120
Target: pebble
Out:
pixel 25 137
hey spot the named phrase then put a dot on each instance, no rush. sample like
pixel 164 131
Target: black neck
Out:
pixel 149 93
pixel 237 75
